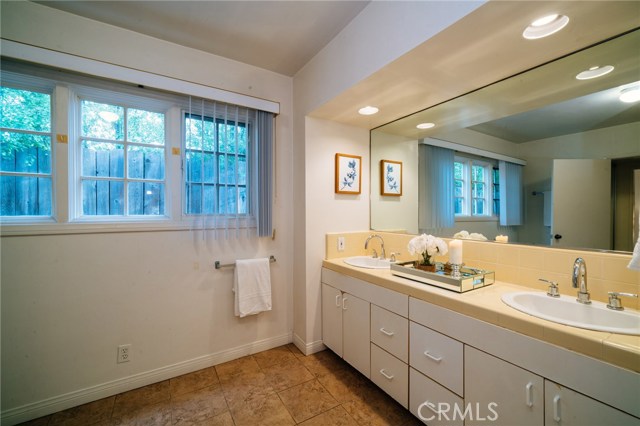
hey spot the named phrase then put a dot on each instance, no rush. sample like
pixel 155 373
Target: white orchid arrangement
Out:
pixel 428 246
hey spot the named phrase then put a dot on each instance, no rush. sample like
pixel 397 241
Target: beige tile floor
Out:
pixel 280 386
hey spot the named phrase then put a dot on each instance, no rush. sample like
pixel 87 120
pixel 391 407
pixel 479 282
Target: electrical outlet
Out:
pixel 340 243
pixel 124 353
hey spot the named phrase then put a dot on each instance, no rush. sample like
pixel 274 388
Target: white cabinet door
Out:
pixel 355 333
pixel 506 393
pixel 332 318
pixel 566 407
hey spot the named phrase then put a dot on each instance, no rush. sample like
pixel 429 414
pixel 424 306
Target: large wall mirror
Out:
pixel 575 144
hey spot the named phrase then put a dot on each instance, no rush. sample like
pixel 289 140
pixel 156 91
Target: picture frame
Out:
pixel 391 178
pixel 348 177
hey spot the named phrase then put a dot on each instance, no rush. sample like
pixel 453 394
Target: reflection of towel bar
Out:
pixel 217 264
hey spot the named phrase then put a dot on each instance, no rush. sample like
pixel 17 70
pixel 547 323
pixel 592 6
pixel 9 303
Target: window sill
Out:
pixel 16 229
pixel 476 219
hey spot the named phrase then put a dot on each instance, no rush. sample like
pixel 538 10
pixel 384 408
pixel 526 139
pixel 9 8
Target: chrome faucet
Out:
pixel 579 280
pixel 366 244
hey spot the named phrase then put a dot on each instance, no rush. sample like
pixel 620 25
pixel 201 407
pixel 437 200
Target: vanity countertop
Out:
pixel 485 304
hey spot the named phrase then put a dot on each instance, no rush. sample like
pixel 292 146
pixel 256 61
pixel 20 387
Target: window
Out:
pixel 25 171
pixel 473 188
pixel 216 158
pixel 122 155
pixel 116 166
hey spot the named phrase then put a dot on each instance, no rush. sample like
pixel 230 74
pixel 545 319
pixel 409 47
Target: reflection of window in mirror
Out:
pixel 476 189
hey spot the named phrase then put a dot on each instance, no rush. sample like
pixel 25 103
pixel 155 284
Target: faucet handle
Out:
pixel 614 301
pixel 392 257
pixel 375 254
pixel 553 288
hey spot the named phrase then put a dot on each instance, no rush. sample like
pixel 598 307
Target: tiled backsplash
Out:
pixel 517 264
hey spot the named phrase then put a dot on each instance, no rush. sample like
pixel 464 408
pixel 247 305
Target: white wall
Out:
pixel 69 300
pixel 381 33
pixel 390 212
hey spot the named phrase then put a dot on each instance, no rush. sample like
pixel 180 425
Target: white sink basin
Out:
pixel 368 262
pixel 566 310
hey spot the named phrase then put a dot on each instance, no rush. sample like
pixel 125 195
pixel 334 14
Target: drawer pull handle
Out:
pixel 435 358
pixel 529 394
pixel 387 376
pixel 556 408
pixel 388 333
pixel 338 301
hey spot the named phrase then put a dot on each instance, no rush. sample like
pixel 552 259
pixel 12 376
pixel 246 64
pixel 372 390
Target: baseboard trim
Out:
pixel 308 348
pixel 34 410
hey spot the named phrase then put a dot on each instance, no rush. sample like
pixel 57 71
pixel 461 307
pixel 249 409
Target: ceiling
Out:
pixel 481 48
pixel 281 36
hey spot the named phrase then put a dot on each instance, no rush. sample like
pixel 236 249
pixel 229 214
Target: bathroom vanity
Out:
pixel 467 358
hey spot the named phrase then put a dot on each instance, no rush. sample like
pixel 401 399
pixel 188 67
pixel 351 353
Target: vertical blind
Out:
pixel 435 188
pixel 510 194
pixel 228 166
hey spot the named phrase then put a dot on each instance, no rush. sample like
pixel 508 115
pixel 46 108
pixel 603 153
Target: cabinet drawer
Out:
pixel 432 403
pixel 390 374
pixel 391 332
pixel 437 356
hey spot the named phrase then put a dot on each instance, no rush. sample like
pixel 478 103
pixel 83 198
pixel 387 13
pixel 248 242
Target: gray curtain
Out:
pixel 435 188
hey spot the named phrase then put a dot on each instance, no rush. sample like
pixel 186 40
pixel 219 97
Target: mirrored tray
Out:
pixel 469 279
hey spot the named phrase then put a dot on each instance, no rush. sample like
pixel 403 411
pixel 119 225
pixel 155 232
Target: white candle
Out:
pixel 502 238
pixel 455 252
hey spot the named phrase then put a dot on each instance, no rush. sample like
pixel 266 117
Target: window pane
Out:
pixel 478 173
pixel 194 199
pixel 458 209
pixel 145 163
pixel 458 170
pixel 195 127
pixel 102 121
pixel 102 159
pixel 25 110
pixel 227 168
pixel 478 190
pixel 458 188
pixel 232 136
pixel 102 197
pixel 26 153
pixel 478 207
pixel 25 196
pixel 146 198
pixel 233 201
pixel 145 127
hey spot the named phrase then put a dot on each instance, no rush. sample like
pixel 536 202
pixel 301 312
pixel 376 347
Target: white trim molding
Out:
pixel 25 52
pixel 471 150
pixel 82 396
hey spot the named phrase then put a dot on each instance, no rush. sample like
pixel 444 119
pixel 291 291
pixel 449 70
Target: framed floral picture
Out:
pixel 348 174
pixel 391 177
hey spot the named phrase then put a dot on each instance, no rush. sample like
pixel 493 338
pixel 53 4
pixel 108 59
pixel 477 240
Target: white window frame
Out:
pixel 467 215
pixel 128 101
pixel 66 205
pixel 35 84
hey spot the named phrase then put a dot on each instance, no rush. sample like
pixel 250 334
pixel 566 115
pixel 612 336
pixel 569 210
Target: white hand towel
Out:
pixel 252 287
pixel 635 257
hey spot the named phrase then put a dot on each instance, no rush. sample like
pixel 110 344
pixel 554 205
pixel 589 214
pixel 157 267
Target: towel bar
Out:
pixel 218 265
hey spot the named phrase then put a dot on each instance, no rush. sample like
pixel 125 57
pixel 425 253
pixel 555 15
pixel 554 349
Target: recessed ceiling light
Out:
pixel 545 26
pixel 368 110
pixel 594 72
pixel 630 94
pixel 425 125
